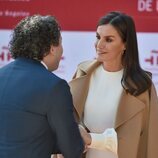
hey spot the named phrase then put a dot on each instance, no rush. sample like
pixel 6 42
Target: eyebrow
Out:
pixel 105 36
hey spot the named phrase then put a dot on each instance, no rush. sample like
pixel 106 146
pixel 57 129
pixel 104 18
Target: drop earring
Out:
pixel 123 51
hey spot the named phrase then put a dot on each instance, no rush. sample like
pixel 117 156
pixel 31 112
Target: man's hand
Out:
pixel 85 135
pixel 60 156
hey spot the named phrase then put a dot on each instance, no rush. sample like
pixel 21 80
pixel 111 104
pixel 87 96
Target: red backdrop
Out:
pixel 80 14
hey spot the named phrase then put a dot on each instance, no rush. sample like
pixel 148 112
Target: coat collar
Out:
pixel 88 67
pixel 128 107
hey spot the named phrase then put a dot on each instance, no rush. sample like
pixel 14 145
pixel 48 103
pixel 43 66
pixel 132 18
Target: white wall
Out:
pixel 79 46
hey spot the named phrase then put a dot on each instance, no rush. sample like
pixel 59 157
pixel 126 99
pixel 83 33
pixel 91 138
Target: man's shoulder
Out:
pixel 54 79
pixel 7 66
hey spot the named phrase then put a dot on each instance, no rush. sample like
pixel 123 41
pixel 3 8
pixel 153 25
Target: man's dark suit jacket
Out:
pixel 36 113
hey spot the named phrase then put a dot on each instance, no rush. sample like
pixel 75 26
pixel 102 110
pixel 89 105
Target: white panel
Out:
pixel 148 53
pixel 79 46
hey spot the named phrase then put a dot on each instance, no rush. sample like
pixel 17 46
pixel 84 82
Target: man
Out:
pixel 36 110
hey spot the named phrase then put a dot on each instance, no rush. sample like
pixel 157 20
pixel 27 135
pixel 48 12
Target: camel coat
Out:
pixel 137 117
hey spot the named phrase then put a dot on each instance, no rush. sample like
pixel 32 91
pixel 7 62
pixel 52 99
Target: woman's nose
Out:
pixel 100 44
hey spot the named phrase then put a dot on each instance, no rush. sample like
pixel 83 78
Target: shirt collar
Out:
pixel 44 65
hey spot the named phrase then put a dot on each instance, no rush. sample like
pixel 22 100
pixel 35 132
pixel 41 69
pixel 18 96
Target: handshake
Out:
pixel 101 141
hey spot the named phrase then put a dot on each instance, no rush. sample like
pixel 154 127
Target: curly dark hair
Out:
pixel 33 37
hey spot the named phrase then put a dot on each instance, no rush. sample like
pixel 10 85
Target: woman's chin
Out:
pixel 99 59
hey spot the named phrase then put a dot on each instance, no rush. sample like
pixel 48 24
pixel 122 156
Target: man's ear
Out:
pixel 52 50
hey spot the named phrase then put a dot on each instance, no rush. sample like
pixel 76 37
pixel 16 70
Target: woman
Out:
pixel 114 97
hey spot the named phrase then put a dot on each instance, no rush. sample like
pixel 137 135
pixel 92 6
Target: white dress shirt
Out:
pixel 44 65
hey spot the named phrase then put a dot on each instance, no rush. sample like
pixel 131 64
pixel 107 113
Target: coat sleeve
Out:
pixel 61 119
pixel 152 141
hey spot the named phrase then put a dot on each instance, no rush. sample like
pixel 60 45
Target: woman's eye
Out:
pixel 98 37
pixel 109 40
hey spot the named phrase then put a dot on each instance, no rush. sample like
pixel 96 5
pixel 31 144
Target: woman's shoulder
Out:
pixel 85 65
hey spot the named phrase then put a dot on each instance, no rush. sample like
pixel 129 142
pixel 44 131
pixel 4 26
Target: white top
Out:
pixel 100 111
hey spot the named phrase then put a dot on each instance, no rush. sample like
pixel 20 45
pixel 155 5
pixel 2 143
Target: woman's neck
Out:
pixel 112 67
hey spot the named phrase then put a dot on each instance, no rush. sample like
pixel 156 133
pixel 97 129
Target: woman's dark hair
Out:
pixel 135 80
pixel 33 37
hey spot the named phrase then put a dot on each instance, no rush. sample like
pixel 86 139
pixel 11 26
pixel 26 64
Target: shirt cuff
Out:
pixel 97 140
pixel 105 141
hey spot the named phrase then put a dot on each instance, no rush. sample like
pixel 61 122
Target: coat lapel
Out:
pixel 128 107
pixel 79 90
pixel 80 84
